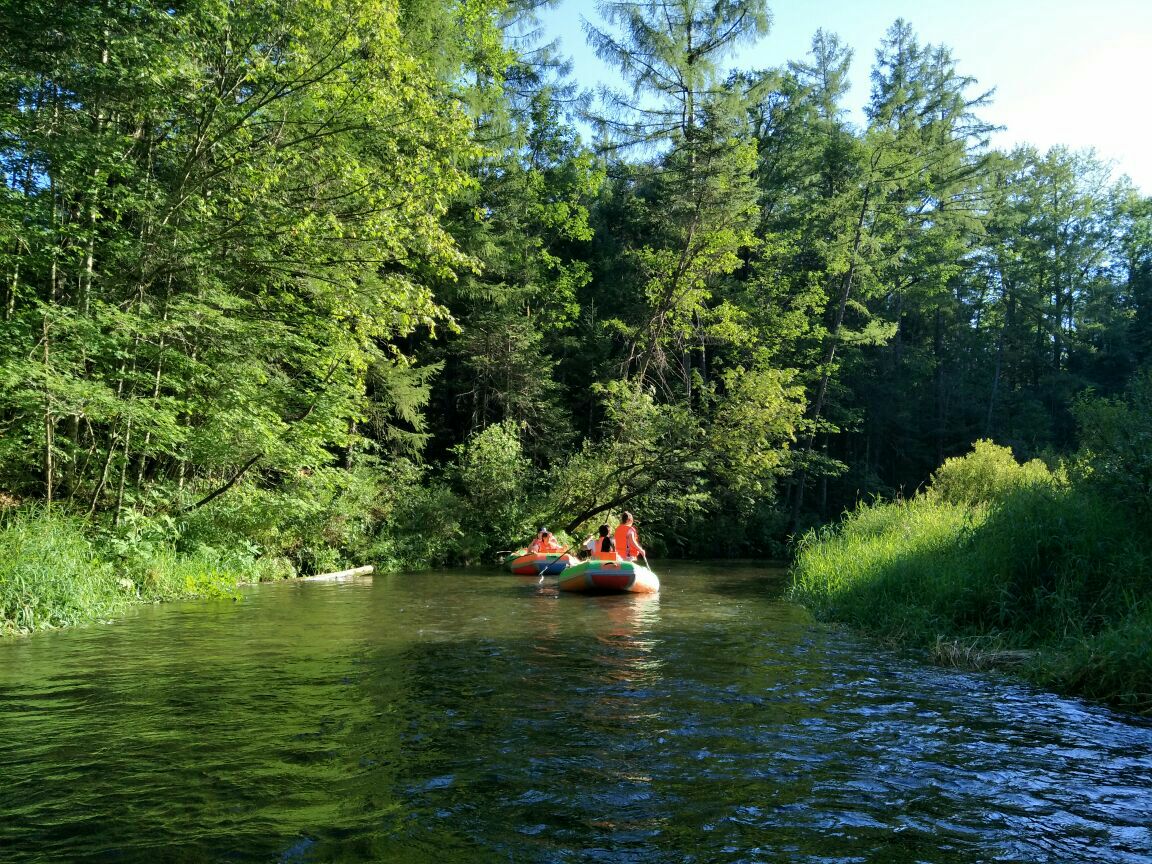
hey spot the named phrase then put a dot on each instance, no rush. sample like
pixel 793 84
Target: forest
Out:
pixel 286 284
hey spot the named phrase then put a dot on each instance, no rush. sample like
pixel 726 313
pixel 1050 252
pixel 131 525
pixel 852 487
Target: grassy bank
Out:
pixel 998 563
pixel 59 571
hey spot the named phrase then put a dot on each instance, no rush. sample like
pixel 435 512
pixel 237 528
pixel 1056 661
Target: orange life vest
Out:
pixel 602 554
pixel 626 541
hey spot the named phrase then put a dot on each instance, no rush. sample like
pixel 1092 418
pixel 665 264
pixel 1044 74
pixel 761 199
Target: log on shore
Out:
pixel 340 574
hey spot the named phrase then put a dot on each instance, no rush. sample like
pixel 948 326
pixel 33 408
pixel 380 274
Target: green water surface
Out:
pixel 476 716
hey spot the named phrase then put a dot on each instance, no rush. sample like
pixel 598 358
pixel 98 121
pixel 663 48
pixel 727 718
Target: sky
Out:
pixel 1068 73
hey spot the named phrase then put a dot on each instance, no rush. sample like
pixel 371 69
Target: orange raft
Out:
pixel 609 577
pixel 539 563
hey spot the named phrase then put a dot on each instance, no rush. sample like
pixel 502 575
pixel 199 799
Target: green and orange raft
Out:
pixel 608 577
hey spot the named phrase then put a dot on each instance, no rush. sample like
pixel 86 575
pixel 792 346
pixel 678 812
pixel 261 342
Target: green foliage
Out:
pixel 1047 568
pixel 493 475
pixel 670 53
pixel 1113 665
pixel 424 527
pixel 734 526
pixel 231 226
pixel 1116 445
pixel 51 575
pixel 317 521
pixel 58 570
pixel 755 419
pixel 985 476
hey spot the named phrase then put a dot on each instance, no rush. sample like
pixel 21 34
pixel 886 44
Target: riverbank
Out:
pixel 1031 571
pixel 58 571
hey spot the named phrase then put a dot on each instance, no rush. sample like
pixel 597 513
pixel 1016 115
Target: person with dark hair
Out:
pixel 627 542
pixel 604 547
pixel 534 546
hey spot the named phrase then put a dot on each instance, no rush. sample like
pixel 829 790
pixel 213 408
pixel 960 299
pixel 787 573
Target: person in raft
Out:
pixel 544 542
pixel 588 547
pixel 603 547
pixel 534 545
pixel 627 542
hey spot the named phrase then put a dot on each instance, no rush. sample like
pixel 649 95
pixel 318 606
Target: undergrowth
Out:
pixel 994 562
pixel 57 570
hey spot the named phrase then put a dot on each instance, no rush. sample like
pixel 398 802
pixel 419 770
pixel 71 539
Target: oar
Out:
pixel 559 555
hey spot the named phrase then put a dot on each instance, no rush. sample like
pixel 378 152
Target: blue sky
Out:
pixel 1072 73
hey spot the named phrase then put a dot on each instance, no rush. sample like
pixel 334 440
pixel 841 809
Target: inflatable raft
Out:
pixel 537 563
pixel 609 577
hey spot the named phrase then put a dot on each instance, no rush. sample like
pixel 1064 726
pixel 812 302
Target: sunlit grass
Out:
pixel 51 575
pixel 57 571
pixel 1050 573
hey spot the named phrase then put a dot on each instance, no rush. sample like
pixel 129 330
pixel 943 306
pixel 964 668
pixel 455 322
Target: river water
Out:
pixel 477 716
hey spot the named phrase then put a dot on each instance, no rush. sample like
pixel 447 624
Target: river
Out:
pixel 475 716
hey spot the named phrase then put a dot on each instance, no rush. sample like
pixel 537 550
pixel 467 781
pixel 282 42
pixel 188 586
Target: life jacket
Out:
pixel 626 545
pixel 603 549
pixel 549 545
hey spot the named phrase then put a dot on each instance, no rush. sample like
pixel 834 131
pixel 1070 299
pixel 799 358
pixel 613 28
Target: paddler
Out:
pixel 627 542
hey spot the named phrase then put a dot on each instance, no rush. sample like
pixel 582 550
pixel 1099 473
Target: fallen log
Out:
pixel 340 574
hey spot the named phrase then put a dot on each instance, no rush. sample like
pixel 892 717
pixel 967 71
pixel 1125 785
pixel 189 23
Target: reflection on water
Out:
pixel 485 717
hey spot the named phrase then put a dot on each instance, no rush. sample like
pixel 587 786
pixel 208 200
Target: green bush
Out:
pixel 1113 665
pixel 492 477
pixel 317 521
pixel 1057 570
pixel 1116 445
pixel 422 530
pixel 59 570
pixel 986 475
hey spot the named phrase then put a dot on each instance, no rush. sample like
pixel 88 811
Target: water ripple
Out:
pixel 478 717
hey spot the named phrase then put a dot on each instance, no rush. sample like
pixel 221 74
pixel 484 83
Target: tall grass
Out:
pixel 1032 565
pixel 879 569
pixel 58 570
pixel 51 575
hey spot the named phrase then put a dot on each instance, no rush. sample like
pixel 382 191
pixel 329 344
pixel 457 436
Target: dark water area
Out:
pixel 478 716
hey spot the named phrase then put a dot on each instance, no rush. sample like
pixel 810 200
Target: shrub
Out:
pixel 316 521
pixel 1116 445
pixel 986 475
pixel 422 529
pixel 1048 567
pixel 491 473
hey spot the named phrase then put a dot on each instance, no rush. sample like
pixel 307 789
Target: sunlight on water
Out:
pixel 476 716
